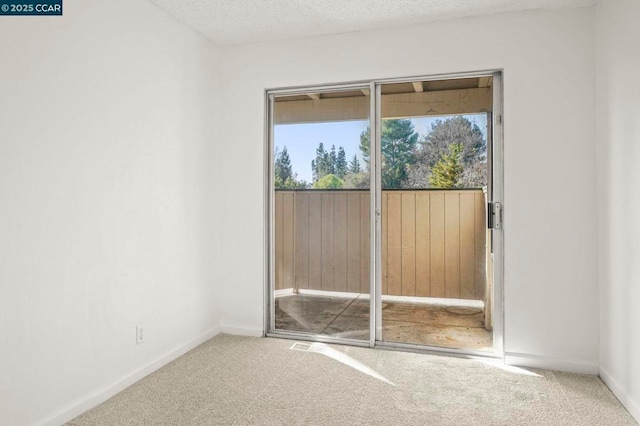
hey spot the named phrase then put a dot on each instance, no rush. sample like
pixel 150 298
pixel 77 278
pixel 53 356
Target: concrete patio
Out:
pixel 459 326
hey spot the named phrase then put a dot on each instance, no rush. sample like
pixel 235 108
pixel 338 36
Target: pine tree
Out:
pixel 398 143
pixel 331 161
pixel 365 144
pixel 354 165
pixel 318 166
pixel 342 166
pixel 284 178
pixel 447 172
pixel 398 140
pixel 282 168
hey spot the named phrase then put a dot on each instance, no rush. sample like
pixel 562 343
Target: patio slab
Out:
pixel 458 327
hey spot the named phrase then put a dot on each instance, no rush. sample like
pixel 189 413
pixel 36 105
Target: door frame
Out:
pixel 495 161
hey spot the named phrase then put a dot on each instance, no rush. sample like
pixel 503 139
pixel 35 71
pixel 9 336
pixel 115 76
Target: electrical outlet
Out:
pixel 139 335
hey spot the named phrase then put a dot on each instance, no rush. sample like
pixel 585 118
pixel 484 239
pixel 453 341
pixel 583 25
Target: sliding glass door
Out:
pixel 434 176
pixel 321 213
pixel 378 217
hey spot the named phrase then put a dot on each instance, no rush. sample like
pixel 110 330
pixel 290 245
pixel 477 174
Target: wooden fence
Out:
pixel 433 242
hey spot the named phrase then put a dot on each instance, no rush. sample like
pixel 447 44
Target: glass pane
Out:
pixel 434 177
pixel 322 232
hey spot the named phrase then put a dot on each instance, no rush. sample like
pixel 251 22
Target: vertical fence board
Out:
pixel 436 216
pixel 482 244
pixel 423 260
pixel 394 243
pixel 302 240
pixel 340 242
pixel 365 237
pixel 315 241
pixel 408 243
pixel 384 208
pixel 353 242
pixel 288 239
pixel 279 242
pixel 467 246
pixel 452 244
pixel 327 238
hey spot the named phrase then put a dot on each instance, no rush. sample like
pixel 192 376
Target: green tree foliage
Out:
pixel 342 167
pixel 318 165
pixel 290 183
pixel 284 178
pixel 329 181
pixel 357 181
pixel 398 143
pixel 282 167
pixel 398 139
pixel 354 165
pixel 447 172
pixel 356 178
pixel 329 163
pixel 455 130
pixel 365 143
pixel 325 162
pixel 436 144
pixel 333 159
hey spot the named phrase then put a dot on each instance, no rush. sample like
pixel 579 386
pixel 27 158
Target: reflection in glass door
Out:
pixel 320 236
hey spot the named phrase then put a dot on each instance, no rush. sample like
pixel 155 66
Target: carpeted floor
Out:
pixel 234 380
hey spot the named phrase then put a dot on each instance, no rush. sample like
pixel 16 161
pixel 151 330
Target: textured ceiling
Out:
pixel 228 22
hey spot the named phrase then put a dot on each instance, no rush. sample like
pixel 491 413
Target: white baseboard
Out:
pixel 240 330
pixel 96 398
pixel 341 294
pixel 632 406
pixel 433 301
pixel 549 363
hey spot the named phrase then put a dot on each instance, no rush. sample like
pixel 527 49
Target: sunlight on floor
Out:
pixel 325 349
pixel 498 363
pixel 341 357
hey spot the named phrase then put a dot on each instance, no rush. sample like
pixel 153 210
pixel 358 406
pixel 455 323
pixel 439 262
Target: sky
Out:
pixel 302 140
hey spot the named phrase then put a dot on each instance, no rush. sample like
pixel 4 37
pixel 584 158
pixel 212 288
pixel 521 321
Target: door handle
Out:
pixel 494 215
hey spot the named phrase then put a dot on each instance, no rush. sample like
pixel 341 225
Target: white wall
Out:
pixel 550 237
pixel 106 139
pixel 618 154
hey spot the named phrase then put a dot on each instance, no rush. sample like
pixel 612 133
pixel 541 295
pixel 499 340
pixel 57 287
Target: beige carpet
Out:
pixel 234 380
